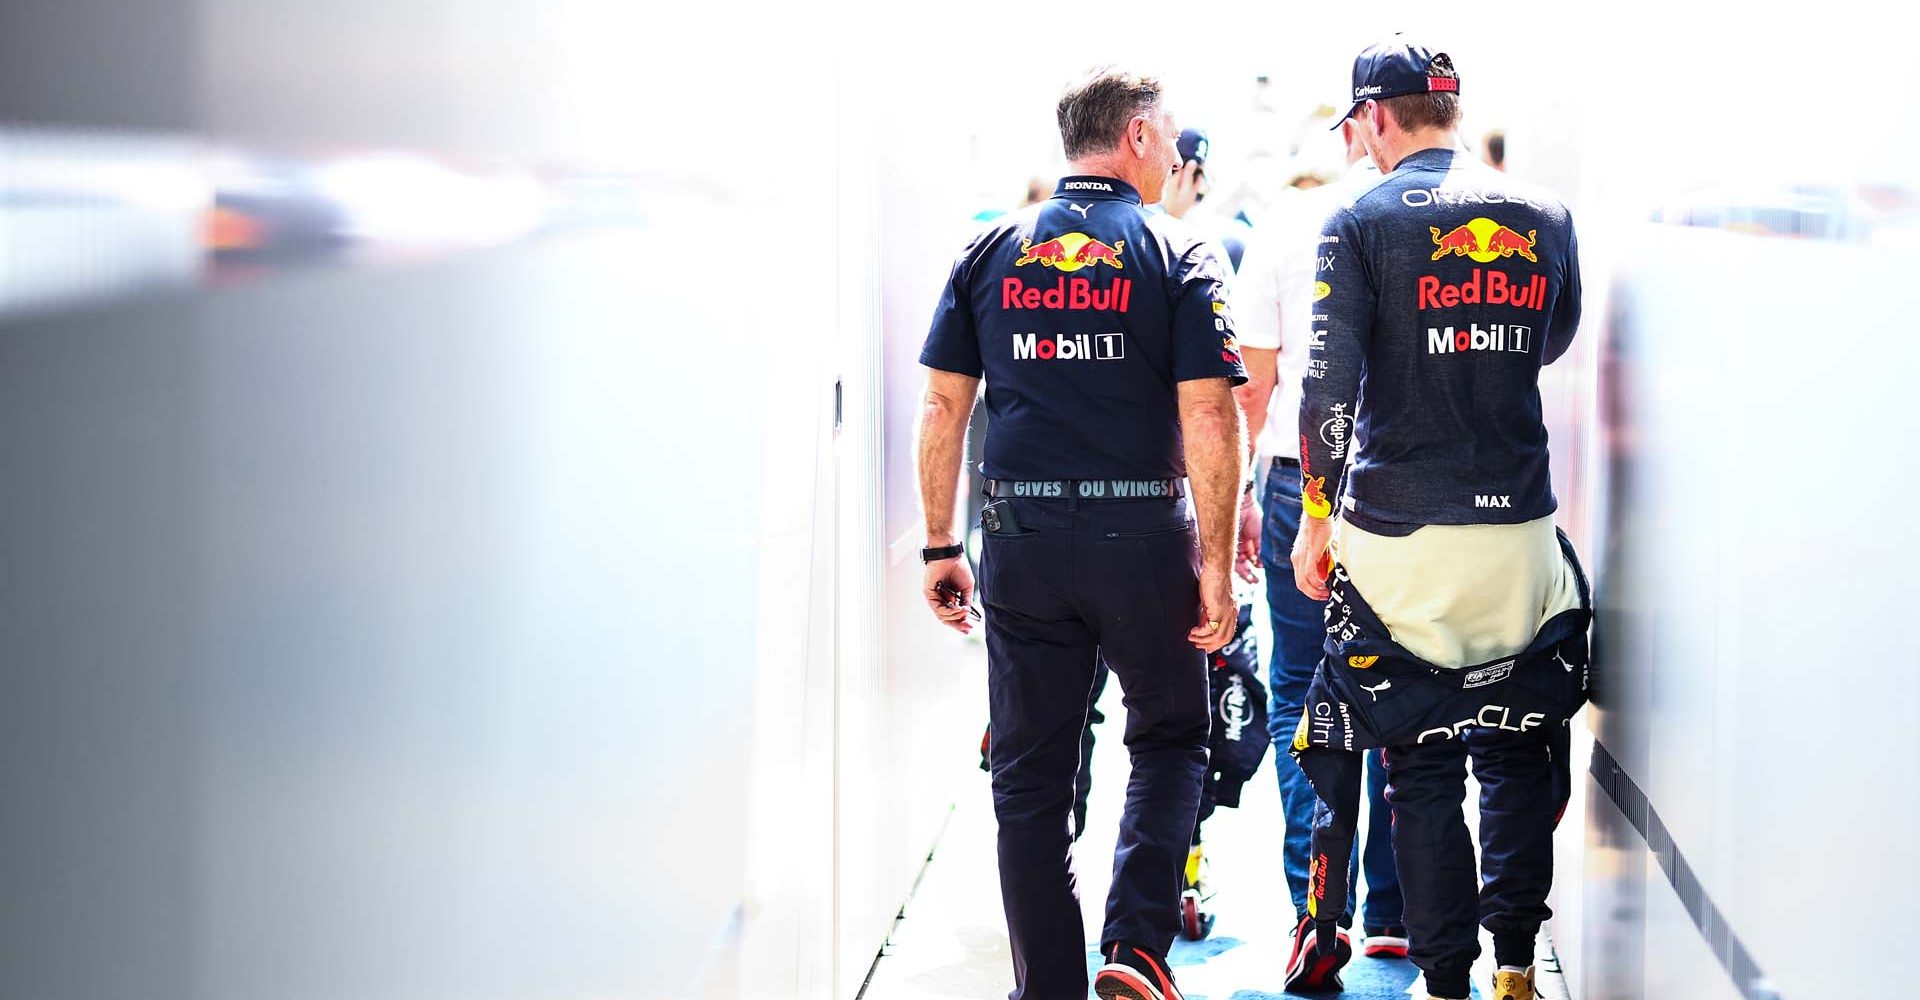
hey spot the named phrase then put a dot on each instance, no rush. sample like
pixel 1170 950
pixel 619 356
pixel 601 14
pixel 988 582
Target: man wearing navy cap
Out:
pixel 1457 615
pixel 1191 185
pixel 1188 185
pixel 1109 358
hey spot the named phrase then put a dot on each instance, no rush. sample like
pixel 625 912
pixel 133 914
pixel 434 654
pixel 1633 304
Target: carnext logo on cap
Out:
pixel 1360 93
pixel 1069 347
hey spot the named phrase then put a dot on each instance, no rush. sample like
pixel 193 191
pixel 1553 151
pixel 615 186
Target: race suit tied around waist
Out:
pixel 1370 692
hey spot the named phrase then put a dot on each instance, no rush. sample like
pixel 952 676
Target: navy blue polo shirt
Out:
pixel 1082 313
pixel 1442 290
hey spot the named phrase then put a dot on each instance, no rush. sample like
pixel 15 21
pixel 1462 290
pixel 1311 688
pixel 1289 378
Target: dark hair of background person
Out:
pixel 1095 111
pixel 1436 110
pixel 1496 145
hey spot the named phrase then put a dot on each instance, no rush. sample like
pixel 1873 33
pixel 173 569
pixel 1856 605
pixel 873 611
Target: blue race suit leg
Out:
pixel 1426 784
pixel 1298 632
pixel 1384 906
pixel 1520 803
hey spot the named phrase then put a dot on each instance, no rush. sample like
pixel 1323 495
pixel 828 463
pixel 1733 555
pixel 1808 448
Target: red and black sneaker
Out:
pixel 1134 974
pixel 1314 967
pixel 1385 942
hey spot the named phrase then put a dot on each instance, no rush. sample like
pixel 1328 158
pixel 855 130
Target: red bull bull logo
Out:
pixel 1071 252
pixel 1483 240
pixel 1313 496
pixel 1095 252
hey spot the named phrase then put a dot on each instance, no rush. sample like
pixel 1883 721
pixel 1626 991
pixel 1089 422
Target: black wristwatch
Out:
pixel 943 552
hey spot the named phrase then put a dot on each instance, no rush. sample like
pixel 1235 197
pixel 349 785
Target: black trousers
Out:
pixel 1248 654
pixel 1076 582
pixel 1523 791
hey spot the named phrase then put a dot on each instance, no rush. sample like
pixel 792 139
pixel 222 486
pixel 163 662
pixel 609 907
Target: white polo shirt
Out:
pixel 1273 298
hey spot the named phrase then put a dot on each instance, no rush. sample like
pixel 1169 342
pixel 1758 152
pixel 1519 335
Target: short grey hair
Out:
pixel 1094 110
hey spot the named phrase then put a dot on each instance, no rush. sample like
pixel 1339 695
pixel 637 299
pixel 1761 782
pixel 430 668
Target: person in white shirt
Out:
pixel 1273 302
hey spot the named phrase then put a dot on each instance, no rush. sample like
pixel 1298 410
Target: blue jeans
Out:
pixel 1298 633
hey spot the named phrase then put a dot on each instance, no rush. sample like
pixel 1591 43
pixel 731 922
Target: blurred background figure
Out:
pixel 1306 180
pixel 1275 298
pixel 1189 184
pixel 1038 188
pixel 1186 198
pixel 1493 149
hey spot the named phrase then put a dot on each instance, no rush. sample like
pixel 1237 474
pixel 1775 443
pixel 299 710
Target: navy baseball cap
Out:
pixel 1193 146
pixel 1396 68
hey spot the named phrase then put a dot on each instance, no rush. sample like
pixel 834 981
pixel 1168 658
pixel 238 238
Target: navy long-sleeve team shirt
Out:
pixel 1442 290
pixel 1083 313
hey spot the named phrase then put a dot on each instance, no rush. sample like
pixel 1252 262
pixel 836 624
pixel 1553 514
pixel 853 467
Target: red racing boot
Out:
pixel 1317 958
pixel 1134 974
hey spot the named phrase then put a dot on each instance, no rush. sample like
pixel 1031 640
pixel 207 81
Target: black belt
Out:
pixel 1283 462
pixel 1087 489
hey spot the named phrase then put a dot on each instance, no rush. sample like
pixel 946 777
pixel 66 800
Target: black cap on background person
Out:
pixel 1193 146
pixel 1188 186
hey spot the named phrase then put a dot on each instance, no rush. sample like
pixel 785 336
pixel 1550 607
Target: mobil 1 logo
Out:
pixel 1069 347
pixel 1503 337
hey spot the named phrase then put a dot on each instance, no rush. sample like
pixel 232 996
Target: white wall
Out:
pixel 1758 451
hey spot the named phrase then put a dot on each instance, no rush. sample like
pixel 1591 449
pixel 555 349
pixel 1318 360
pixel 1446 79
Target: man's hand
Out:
pixel 1247 552
pixel 943 437
pixel 1183 190
pixel 948 589
pixel 1310 563
pixel 1214 441
pixel 1219 616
